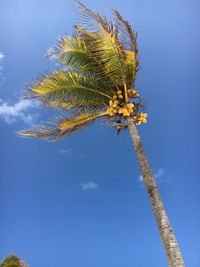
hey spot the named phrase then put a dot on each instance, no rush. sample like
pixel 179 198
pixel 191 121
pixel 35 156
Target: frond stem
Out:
pixel 93 90
pixel 125 92
pixel 87 119
pixel 116 85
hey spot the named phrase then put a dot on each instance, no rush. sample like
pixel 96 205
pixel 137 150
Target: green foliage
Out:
pixel 63 126
pixel 98 60
pixel 73 88
pixel 12 261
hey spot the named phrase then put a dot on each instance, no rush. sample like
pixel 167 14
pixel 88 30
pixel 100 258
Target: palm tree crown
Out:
pixel 99 65
pixel 13 261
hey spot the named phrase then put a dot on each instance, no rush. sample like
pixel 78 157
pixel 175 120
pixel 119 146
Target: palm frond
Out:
pixel 72 52
pixel 128 39
pixel 63 127
pixel 102 46
pixel 91 21
pixel 109 52
pixel 130 68
pixel 65 105
pixel 105 45
pixel 73 88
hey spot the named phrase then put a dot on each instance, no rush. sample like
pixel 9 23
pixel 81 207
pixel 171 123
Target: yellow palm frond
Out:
pixel 130 68
pixel 73 88
pixel 128 39
pixel 103 43
pixel 72 52
pixel 63 127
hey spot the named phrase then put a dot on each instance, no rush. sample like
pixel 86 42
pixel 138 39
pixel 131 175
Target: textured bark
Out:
pixel 168 238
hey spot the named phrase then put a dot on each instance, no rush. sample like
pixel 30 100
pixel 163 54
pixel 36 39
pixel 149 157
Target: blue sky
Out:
pixel 80 202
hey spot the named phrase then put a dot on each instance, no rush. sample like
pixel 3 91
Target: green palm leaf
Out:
pixel 63 127
pixel 72 52
pixel 74 89
pixel 105 45
pixel 13 261
pixel 128 39
pixel 119 61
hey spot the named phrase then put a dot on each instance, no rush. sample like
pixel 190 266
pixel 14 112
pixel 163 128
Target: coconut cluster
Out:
pixel 132 93
pixel 140 118
pixel 117 107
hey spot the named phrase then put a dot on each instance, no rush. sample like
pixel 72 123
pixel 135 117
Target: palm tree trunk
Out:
pixel 168 238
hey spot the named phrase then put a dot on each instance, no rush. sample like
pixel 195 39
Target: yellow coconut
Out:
pixel 120 110
pixel 130 105
pixel 110 102
pixel 126 112
pixel 114 105
pixel 133 93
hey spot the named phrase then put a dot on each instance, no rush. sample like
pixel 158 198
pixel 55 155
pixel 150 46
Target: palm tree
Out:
pixel 97 81
pixel 13 261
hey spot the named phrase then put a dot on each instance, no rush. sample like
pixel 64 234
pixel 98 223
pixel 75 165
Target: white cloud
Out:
pixel 10 113
pixel 89 186
pixel 158 175
pixel 140 178
pixel 67 152
pixel 1 55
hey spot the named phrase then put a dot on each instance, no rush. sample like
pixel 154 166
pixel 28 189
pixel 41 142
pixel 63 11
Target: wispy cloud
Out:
pixel 158 175
pixel 89 186
pixel 11 113
pixel 1 55
pixel 140 178
pixel 66 152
